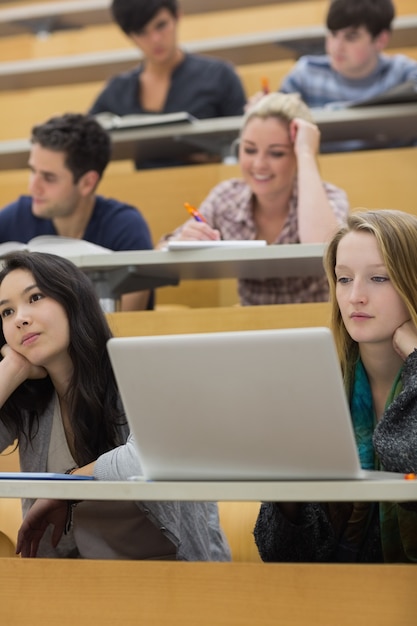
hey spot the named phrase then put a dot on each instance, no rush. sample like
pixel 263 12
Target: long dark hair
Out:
pixel 92 396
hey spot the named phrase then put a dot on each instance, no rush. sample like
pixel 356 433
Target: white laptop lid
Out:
pixel 250 405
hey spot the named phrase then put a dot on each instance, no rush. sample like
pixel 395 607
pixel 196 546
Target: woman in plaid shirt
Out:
pixel 280 197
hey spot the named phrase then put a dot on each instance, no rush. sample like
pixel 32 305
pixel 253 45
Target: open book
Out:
pixel 222 243
pixel 42 476
pixel 53 244
pixel 400 94
pixel 110 121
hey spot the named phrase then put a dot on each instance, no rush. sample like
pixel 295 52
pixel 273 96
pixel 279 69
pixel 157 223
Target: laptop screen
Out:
pixel 244 405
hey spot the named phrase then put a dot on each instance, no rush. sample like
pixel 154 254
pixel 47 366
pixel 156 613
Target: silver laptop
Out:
pixel 250 405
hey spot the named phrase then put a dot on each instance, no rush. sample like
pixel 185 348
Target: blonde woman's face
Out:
pixel 266 157
pixel 370 306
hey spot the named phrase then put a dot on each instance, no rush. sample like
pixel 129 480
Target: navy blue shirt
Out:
pixel 202 86
pixel 113 224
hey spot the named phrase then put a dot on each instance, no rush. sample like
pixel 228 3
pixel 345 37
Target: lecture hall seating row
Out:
pixel 229 19
pixel 23 107
pixel 372 179
pixel 46 592
pixel 192 28
pixel 241 36
pixel 37 16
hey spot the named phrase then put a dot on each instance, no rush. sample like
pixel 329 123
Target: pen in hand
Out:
pixel 194 212
pixel 265 85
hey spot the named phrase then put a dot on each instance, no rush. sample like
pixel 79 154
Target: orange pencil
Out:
pixel 194 212
pixel 265 85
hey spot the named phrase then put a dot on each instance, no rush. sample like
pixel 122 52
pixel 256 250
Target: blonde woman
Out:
pixel 280 196
pixel 371 265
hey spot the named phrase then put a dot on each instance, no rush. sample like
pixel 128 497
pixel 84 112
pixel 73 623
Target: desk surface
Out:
pixel 287 491
pixel 252 47
pixel 133 270
pixel 66 14
pixel 384 122
pixel 121 272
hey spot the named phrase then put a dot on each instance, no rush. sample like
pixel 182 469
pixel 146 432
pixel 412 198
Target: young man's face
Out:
pixel 51 184
pixel 354 52
pixel 158 39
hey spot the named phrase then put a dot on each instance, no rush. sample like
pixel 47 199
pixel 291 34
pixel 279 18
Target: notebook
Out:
pixel 400 94
pixel 245 405
pixel 222 243
pixel 110 121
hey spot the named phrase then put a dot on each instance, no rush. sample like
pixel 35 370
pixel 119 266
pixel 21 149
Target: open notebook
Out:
pixel 250 405
pixel 110 121
pixel 400 94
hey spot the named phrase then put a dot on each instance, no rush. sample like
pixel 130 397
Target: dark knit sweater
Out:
pixel 316 536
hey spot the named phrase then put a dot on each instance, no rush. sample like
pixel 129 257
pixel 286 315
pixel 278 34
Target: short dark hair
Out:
pixel 375 15
pixel 133 15
pixel 86 143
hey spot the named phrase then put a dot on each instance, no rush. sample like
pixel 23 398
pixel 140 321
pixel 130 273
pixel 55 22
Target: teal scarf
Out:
pixel 398 526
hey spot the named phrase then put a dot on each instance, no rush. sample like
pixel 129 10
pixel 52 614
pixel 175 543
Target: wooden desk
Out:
pixel 386 122
pixel 240 49
pixel 43 592
pixel 218 319
pixel 41 17
pixel 121 272
pixel 396 490
pixel 125 271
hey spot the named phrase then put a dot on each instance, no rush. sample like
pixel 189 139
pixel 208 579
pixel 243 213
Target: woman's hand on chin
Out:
pixel 21 364
pixel 405 339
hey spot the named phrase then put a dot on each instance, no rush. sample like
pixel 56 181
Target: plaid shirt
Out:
pixel 228 208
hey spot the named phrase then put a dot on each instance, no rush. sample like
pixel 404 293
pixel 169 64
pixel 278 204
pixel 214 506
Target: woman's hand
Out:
pixel 20 364
pixel 42 513
pixel 198 231
pixel 14 370
pixel 405 339
pixel 305 136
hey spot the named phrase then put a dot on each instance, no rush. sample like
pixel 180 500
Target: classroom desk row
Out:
pixel 46 592
pixel 40 17
pixel 379 124
pixel 253 46
pixel 361 490
pixel 42 592
pixel 372 179
pixel 122 272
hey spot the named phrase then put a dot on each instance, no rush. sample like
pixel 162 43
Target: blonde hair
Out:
pixel 396 236
pixel 284 106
